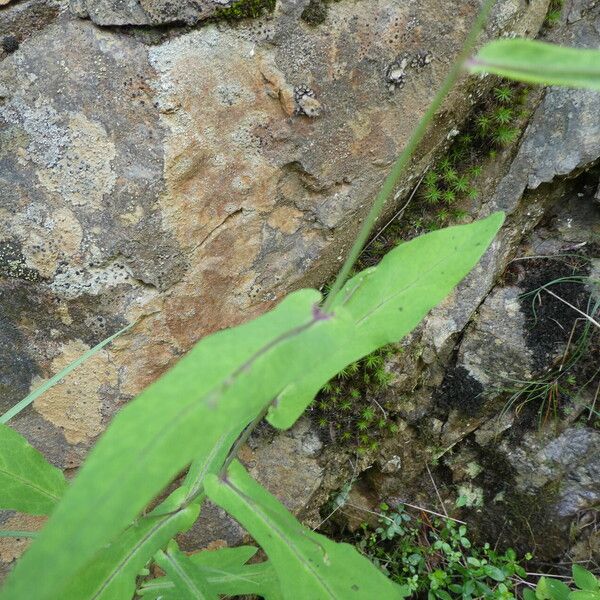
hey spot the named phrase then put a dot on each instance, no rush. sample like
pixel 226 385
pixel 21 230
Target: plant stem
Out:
pixel 243 439
pixel 405 156
pixel 18 534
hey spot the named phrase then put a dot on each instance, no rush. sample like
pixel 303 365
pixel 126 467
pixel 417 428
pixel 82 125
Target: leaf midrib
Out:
pixel 30 484
pixel 285 539
pixel 185 577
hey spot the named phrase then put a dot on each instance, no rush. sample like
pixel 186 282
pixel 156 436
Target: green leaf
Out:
pixel 28 483
pixel 494 573
pixel 387 301
pixel 217 388
pixel 528 594
pixel 189 584
pixel 584 579
pixel 111 574
pixel 257 580
pixel 308 564
pixel 226 574
pixel 551 589
pixel 584 595
pixel 225 382
pixel 539 62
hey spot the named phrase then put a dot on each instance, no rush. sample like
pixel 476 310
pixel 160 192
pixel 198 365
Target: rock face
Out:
pixel 157 12
pixel 497 386
pixel 190 183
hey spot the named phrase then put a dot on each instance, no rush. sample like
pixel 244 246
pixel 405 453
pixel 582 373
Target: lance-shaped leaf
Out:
pixel 188 582
pixel 226 573
pixel 112 573
pixel 386 302
pixel 28 483
pixel 539 62
pixel 308 564
pixel 221 385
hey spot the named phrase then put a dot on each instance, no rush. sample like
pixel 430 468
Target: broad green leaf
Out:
pixel 528 594
pixel 551 589
pixel 189 584
pixel 494 573
pixel 17 408
pixel 28 483
pixel 308 564
pixel 584 579
pixel 584 595
pixel 111 574
pixel 226 573
pixel 558 589
pixel 220 386
pixel 539 62
pixel 387 301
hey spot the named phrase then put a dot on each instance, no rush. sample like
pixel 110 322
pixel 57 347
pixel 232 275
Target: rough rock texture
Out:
pixel 148 12
pixel 528 464
pixel 186 185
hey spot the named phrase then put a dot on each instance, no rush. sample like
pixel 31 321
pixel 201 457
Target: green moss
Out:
pixel 554 13
pixel 345 409
pixel 245 9
pixel 315 12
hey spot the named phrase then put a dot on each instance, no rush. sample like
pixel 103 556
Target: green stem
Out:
pixel 243 439
pixel 402 161
pixel 18 534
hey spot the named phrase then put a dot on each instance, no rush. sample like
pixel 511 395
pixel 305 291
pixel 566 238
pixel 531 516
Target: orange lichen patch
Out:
pixel 276 84
pixel 216 545
pixel 148 353
pixel 13 548
pixel 286 218
pixel 75 404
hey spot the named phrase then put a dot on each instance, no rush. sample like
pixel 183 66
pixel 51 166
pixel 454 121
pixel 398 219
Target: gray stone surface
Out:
pixel 572 459
pixel 147 12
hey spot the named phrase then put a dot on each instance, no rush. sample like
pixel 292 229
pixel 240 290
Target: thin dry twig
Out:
pixel 437 492
pixel 398 214
pixel 585 315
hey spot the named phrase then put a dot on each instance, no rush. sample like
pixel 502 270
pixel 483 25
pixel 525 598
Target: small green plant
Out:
pixel 503 115
pixel 434 557
pixel 554 12
pixel 504 94
pixel 586 587
pixel 504 136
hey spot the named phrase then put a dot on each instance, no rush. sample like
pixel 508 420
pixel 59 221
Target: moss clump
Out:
pixel 450 189
pixel 346 409
pixel 554 13
pixel 315 12
pixel 245 9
